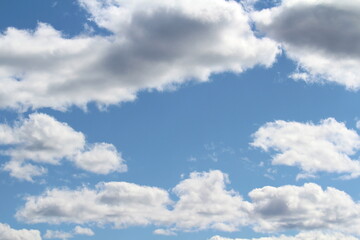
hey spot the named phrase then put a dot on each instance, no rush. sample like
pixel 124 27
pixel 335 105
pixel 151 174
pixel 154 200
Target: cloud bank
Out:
pixel 152 45
pixel 202 203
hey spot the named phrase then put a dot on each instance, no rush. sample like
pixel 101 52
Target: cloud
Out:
pixel 320 35
pixel 164 232
pixel 325 147
pixel 307 207
pixel 78 230
pixel 8 233
pixel 119 203
pixel 202 203
pixel 42 139
pixel 151 45
pixel 50 234
pixel 101 158
pixel 313 235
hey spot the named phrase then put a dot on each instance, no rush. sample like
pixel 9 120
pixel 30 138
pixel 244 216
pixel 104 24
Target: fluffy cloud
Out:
pixel 164 232
pixel 321 35
pixel 101 158
pixel 300 236
pixel 54 234
pixel 325 147
pixel 42 139
pixel 7 233
pixel 152 45
pixel 305 207
pixel 202 203
pixel 51 234
pixel 120 203
pixel 83 231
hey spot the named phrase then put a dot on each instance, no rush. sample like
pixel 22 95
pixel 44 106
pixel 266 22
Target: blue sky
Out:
pixel 177 119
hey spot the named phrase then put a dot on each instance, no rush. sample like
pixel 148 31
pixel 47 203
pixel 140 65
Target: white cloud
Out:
pixel 358 124
pixel 320 35
pixel 313 235
pixel 119 203
pixel 164 232
pixel 325 147
pixel 152 45
pixel 51 234
pixel 8 233
pixel 202 203
pixel 42 139
pixel 78 230
pixel 307 207
pixel 101 158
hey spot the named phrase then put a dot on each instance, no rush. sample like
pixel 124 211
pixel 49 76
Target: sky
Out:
pixel 179 119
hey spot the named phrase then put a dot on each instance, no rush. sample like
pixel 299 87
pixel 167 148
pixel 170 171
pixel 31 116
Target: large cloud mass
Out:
pixel 42 139
pixel 202 203
pixel 321 35
pixel 152 45
pixel 326 147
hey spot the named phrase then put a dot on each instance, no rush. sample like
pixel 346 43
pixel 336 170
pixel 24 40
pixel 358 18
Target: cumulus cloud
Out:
pixel 313 235
pixel 78 230
pixel 325 147
pixel 101 158
pixel 165 232
pixel 307 207
pixel 320 35
pixel 202 203
pixel 8 233
pixel 51 234
pixel 42 139
pixel 120 203
pixel 151 45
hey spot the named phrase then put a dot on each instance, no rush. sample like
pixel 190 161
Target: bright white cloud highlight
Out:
pixel 204 203
pixel 152 45
pixel 301 236
pixel 320 35
pixel 41 139
pixel 8 233
pixel 325 147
